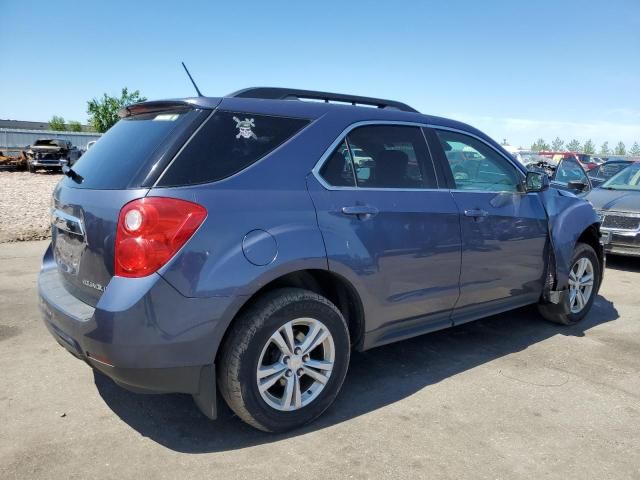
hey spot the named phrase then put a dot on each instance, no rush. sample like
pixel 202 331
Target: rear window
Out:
pixel 227 143
pixel 125 156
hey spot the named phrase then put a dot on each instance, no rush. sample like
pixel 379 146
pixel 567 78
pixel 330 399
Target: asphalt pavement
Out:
pixel 508 397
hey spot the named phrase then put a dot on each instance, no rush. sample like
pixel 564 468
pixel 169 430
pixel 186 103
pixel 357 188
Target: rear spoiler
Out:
pixel 160 106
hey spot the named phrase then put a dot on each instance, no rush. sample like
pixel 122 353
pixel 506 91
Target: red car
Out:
pixel 584 159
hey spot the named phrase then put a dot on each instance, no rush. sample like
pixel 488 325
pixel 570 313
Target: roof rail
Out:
pixel 274 93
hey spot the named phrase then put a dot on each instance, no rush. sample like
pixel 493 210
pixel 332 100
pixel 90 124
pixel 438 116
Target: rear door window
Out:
pixel 227 143
pixel 391 156
pixel 127 153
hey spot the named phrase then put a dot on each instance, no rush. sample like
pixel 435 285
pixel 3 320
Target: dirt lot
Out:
pixel 509 397
pixel 25 200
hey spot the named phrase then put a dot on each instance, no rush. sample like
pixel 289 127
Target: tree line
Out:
pixel 58 124
pixel 103 112
pixel 558 145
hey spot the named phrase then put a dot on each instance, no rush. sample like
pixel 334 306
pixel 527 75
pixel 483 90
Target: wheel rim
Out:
pixel 580 284
pixel 295 364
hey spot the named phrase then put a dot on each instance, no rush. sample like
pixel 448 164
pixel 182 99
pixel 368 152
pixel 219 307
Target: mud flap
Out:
pixel 206 398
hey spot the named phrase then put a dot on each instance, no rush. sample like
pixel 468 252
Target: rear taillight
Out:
pixel 151 230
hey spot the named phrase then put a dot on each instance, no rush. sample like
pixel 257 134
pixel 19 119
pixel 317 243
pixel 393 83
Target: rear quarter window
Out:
pixel 227 143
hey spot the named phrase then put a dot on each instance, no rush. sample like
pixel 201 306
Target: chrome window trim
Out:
pixel 513 162
pixel 342 136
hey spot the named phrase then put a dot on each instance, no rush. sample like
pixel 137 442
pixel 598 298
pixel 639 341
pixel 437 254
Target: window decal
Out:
pixel 244 128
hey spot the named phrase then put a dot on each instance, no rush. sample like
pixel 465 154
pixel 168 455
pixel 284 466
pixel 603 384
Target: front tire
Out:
pixel 284 360
pixel 584 283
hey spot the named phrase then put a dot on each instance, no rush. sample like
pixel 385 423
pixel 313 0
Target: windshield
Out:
pixel 627 179
pixel 49 143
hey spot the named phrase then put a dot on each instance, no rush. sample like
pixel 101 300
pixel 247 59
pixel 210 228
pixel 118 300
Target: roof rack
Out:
pixel 273 93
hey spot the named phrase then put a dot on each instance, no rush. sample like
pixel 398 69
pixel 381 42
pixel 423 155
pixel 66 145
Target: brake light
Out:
pixel 151 230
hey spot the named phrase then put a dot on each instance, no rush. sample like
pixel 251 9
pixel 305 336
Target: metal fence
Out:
pixel 15 138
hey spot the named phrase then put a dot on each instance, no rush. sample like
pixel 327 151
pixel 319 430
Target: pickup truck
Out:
pixel 51 154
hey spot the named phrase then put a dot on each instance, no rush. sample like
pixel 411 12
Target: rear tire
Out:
pixel 284 359
pixel 578 299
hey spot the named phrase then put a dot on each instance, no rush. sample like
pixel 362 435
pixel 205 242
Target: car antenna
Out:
pixel 191 78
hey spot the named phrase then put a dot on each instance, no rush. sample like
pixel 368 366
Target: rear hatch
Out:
pixel 120 167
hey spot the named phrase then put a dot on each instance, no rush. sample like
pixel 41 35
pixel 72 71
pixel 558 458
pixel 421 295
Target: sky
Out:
pixel 518 70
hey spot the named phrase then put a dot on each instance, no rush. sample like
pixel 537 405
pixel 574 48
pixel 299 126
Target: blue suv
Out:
pixel 249 243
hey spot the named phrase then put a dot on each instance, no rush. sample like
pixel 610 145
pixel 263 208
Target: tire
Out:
pixel 249 344
pixel 562 312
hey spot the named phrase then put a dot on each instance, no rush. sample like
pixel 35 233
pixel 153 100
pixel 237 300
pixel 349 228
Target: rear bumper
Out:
pixel 139 380
pixel 142 333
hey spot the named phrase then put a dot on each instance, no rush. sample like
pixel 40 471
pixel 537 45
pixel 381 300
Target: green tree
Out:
pixel 604 149
pixel 540 145
pixel 74 126
pixel 573 145
pixel 589 147
pixel 557 144
pixel 56 123
pixel 635 149
pixel 103 112
pixel 620 149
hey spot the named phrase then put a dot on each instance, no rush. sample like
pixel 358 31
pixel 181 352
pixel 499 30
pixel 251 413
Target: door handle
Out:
pixel 475 212
pixel 363 212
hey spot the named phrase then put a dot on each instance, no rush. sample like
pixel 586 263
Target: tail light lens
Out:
pixel 151 230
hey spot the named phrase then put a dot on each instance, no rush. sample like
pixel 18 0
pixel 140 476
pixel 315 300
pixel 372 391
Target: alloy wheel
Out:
pixel 295 364
pixel 580 284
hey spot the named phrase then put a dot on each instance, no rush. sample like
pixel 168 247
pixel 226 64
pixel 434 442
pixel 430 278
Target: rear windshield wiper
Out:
pixel 72 174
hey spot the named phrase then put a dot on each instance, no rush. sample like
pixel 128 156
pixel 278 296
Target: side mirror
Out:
pixel 536 182
pixel 577 185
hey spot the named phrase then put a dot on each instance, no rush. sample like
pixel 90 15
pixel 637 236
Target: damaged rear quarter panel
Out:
pixel 569 217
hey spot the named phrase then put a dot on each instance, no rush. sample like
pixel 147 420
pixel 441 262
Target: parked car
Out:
pixel 227 243
pixel 567 174
pixel 51 154
pixel 526 156
pixel 586 161
pixel 604 172
pixel 617 202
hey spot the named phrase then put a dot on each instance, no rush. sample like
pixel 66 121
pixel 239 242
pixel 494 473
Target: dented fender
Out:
pixel 568 216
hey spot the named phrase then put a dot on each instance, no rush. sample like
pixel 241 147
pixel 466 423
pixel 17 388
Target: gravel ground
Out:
pixel 24 205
